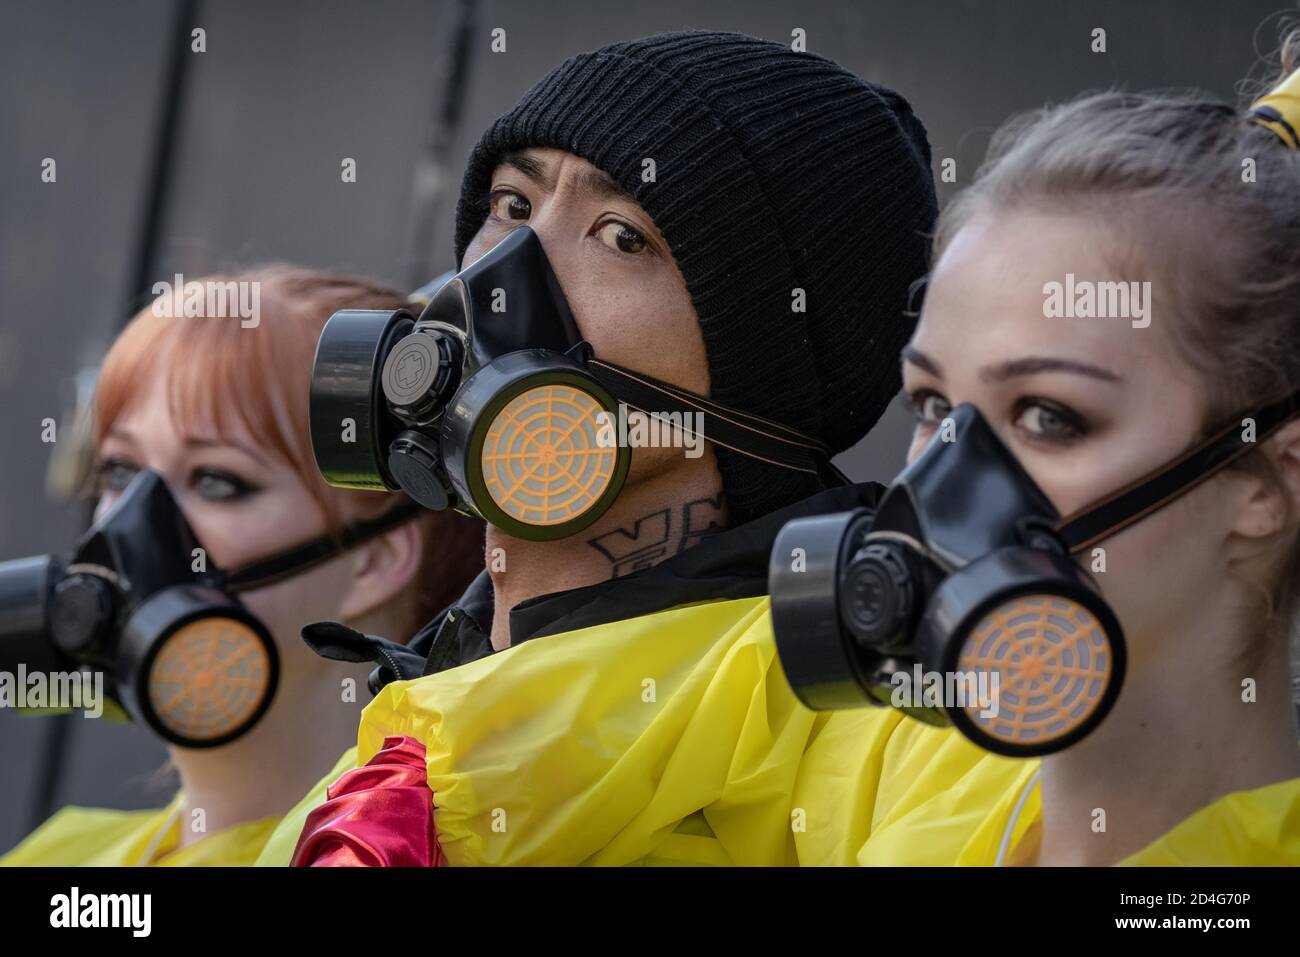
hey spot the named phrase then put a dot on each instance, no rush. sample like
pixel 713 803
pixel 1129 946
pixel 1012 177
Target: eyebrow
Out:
pixel 595 183
pixel 1014 368
pixel 530 167
pixel 921 361
pixel 197 443
pixel 192 442
pixel 598 184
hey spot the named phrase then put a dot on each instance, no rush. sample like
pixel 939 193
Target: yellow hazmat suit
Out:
pixel 673 738
pixel 98 837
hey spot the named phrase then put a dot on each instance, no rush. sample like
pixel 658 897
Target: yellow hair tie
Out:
pixel 1279 111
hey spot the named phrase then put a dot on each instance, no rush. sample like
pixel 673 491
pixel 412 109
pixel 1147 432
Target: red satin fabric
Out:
pixel 379 815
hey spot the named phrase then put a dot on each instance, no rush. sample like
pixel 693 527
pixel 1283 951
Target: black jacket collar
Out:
pixel 724 565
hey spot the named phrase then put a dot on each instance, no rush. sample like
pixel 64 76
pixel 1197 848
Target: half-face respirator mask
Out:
pixel 491 404
pixel 959 600
pixel 138 600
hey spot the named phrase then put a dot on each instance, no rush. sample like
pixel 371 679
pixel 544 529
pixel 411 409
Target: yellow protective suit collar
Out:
pixel 669 738
pixel 723 564
pixel 673 738
pixel 1259 828
pixel 99 837
pixel 1245 829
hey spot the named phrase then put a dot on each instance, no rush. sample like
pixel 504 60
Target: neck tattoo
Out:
pixel 659 535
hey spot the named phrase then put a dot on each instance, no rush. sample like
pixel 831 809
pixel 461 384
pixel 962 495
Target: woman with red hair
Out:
pixel 216 407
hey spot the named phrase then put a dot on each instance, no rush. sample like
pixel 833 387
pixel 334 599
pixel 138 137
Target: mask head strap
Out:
pixel 1133 502
pixel 750 435
pixel 300 558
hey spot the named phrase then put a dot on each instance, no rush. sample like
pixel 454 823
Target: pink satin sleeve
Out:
pixel 379 815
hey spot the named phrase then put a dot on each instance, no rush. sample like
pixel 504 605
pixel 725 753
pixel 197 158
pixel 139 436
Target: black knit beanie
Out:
pixel 774 171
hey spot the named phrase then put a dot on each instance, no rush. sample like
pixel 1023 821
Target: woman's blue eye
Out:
pixel 1047 422
pixel 115 475
pixel 219 486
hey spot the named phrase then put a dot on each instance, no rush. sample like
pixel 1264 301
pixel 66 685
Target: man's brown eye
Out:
pixel 622 237
pixel 507 205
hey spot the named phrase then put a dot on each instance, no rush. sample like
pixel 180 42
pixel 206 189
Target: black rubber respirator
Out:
pixel 138 600
pixel 962 585
pixel 490 403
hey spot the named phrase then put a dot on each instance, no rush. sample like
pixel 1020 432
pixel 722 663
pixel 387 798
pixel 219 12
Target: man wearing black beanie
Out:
pixel 773 171
pixel 727 216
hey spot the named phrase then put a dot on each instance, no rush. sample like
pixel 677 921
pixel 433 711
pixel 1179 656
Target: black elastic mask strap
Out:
pixel 750 435
pixel 1149 493
pixel 299 558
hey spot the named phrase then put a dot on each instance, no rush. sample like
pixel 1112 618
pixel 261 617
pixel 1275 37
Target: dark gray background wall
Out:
pixel 287 89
